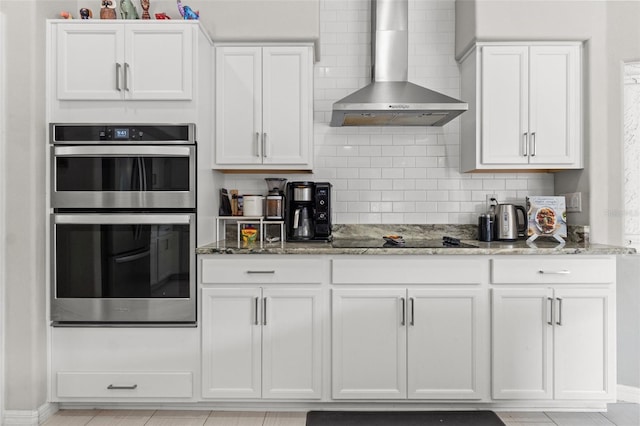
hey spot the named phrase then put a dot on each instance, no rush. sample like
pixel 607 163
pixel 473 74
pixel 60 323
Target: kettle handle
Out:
pixel 522 227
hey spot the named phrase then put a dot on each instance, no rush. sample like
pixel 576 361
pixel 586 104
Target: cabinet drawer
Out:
pixel 552 270
pixel 125 385
pixel 409 271
pixel 261 271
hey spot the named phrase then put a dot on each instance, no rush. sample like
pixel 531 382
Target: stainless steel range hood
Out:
pixel 390 100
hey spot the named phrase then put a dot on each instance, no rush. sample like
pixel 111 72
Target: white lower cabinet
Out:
pixel 111 364
pixel 397 343
pixel 261 342
pixel 555 341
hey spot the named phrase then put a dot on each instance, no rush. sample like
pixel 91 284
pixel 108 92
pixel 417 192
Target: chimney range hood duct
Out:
pixel 390 100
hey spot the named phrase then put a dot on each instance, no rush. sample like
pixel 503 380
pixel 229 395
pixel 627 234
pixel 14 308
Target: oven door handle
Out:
pixel 123 151
pixel 123 219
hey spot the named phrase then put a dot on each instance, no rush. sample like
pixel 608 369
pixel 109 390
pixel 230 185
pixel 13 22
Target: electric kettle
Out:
pixel 506 223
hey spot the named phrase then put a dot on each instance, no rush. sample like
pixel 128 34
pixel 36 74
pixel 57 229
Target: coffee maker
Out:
pixel 308 215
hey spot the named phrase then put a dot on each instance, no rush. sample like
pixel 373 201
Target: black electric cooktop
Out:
pixel 409 243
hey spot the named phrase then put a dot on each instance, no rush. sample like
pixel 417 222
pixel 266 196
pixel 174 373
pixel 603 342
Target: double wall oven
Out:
pixel 123 224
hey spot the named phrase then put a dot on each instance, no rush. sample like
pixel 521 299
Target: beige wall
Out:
pixel 611 34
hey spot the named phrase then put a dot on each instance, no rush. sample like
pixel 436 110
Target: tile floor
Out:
pixel 621 414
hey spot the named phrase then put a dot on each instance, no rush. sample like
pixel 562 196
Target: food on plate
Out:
pixel 546 219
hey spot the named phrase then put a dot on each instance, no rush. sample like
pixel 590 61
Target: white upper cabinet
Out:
pixel 264 110
pixel 123 60
pixel 525 106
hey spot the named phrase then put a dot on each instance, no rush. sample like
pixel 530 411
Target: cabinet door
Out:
pixel 159 62
pixel 583 338
pixel 554 122
pixel 369 344
pixel 231 337
pixel 443 344
pixel 88 61
pixel 292 353
pixel 504 105
pixel 522 343
pixel 287 104
pixel 239 105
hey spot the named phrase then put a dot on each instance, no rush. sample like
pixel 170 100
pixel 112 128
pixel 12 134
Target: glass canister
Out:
pixel 275 207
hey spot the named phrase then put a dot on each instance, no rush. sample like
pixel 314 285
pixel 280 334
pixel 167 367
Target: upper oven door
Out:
pixel 123 176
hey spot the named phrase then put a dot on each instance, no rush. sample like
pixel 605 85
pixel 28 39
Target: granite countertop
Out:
pixel 466 233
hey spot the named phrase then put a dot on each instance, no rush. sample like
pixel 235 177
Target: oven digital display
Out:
pixel 121 133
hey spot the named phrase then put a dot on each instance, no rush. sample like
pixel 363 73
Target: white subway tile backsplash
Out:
pixel 395 174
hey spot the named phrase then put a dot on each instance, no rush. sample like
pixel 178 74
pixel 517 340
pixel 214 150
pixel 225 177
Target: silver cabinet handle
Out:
pixel 261 272
pixel 559 322
pixel 412 321
pixel 264 145
pixel 257 306
pixel 114 387
pixel 257 144
pixel 558 272
pixel 550 300
pixel 525 144
pixel 118 67
pixel 126 72
pixel 264 311
pixel 402 320
pixel 533 143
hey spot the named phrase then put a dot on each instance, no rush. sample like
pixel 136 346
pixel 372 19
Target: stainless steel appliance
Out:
pixel 391 100
pixel 123 166
pixel 308 214
pixel 506 223
pixel 123 268
pixel 123 229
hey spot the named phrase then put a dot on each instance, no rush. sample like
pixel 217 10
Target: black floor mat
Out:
pixel 403 418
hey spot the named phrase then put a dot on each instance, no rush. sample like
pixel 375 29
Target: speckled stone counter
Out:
pixel 467 234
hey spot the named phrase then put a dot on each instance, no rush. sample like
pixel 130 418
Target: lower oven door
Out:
pixel 117 268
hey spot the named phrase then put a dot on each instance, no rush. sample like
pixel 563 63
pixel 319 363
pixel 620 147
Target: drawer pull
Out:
pixel 131 387
pixel 559 272
pixel 261 272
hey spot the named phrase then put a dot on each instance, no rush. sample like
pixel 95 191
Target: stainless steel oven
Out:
pixel 122 268
pixel 123 166
pixel 123 228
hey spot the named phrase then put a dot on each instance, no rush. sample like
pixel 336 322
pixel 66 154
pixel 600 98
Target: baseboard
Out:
pixel 29 417
pixel 628 394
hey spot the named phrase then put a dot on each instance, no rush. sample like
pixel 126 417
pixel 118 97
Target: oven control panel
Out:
pixel 79 134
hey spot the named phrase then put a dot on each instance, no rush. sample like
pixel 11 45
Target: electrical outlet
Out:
pixel 574 202
pixel 487 204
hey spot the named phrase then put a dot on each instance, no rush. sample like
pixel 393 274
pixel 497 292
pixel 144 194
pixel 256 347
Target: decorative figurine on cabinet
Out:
pixel 128 10
pixel 108 10
pixel 145 9
pixel 86 13
pixel 186 12
pixel 162 15
pixel 66 15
